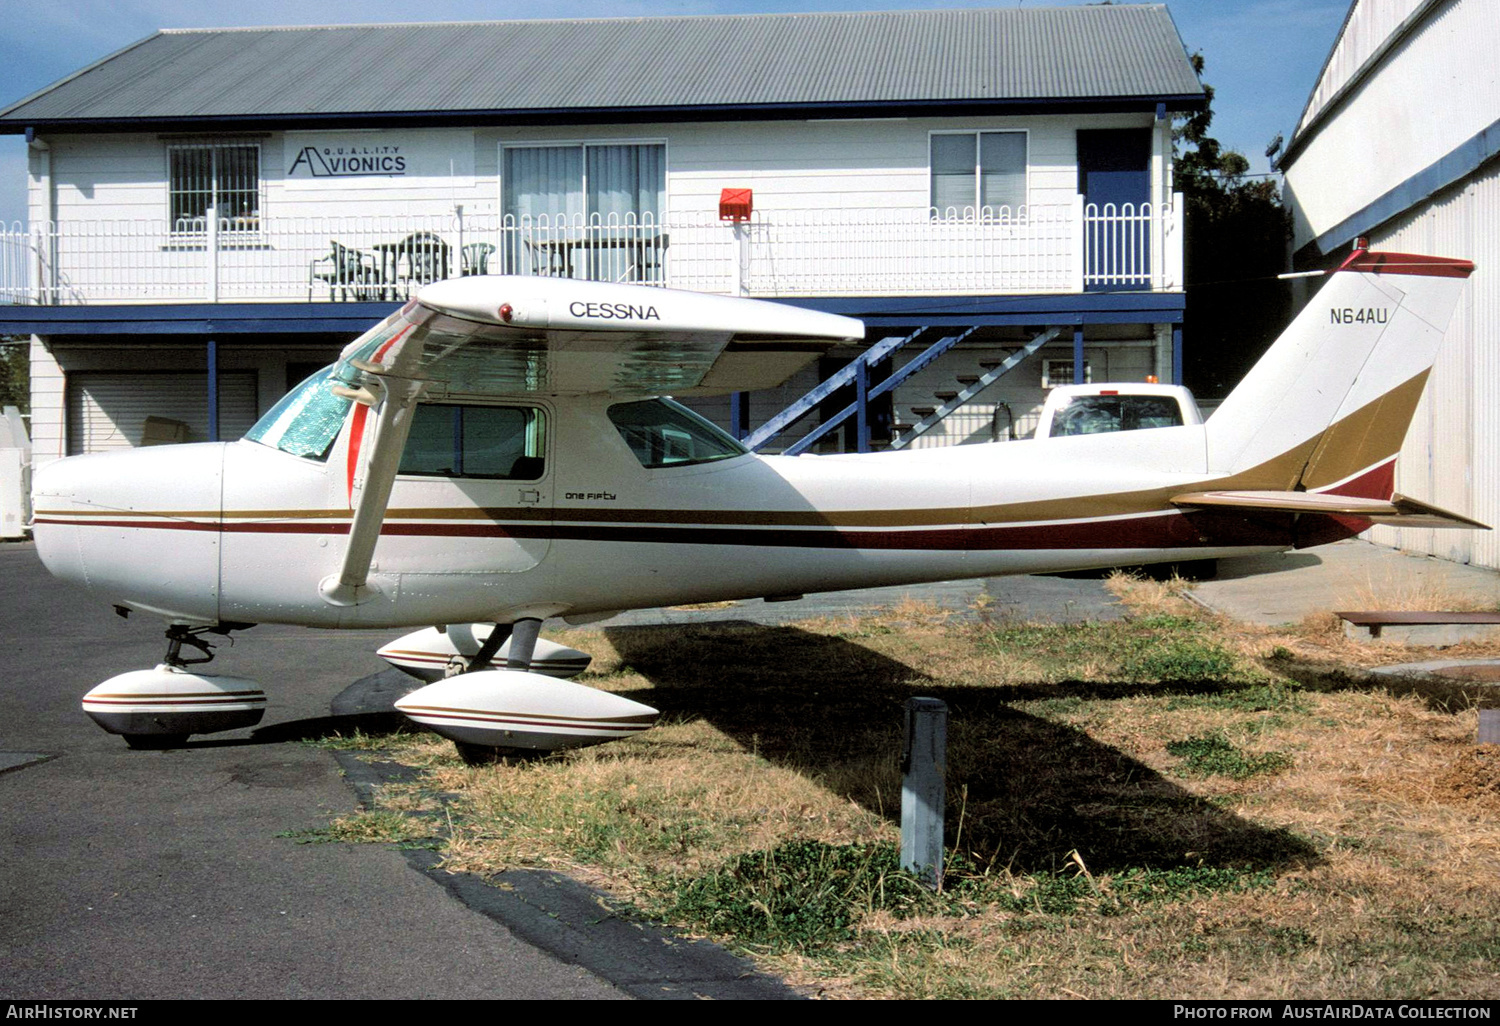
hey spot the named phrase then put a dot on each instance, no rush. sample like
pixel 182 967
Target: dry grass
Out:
pixel 1360 861
pixel 1147 597
pixel 1409 588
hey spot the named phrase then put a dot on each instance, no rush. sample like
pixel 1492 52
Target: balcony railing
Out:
pixel 778 253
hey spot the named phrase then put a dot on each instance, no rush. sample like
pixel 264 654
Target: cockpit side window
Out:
pixel 662 433
pixel 306 420
pixel 506 443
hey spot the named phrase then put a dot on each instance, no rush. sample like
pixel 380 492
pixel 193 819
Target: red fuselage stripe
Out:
pixel 1165 530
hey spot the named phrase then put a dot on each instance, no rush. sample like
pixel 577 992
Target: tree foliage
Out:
pixel 1236 237
pixel 15 373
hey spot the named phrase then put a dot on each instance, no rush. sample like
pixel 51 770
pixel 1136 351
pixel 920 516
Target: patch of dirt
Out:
pixel 1474 776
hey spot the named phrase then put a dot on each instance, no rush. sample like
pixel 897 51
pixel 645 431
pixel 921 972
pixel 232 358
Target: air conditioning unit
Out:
pixel 1060 372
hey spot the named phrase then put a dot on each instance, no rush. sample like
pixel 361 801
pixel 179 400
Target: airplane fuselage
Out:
pixel 245 532
pixel 493 453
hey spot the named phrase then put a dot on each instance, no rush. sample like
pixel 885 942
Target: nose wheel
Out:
pixel 160 707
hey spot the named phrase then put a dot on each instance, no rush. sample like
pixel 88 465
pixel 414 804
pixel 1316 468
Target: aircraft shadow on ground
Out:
pixel 1240 567
pixel 1028 790
pixel 315 728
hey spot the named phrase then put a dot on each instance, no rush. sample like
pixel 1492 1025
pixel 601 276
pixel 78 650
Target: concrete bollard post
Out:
pixel 923 764
pixel 1489 727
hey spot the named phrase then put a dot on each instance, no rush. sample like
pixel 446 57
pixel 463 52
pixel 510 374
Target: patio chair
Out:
pixel 475 258
pixel 347 272
pixel 426 259
pixel 653 258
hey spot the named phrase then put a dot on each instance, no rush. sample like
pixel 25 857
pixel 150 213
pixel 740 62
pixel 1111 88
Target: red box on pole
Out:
pixel 735 204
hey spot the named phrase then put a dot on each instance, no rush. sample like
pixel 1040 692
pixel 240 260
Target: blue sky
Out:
pixel 1262 55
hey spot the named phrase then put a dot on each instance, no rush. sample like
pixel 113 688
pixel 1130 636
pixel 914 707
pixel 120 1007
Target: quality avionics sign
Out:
pixel 439 158
pixel 348 161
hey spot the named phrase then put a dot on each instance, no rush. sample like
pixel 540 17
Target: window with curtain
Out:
pixel 585 211
pixel 978 173
pixel 224 176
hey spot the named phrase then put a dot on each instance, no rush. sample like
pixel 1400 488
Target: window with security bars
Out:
pixel 223 176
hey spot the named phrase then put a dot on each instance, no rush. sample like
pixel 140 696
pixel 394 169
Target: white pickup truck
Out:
pixel 1124 406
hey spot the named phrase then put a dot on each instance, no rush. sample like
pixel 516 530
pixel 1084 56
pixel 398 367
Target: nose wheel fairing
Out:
pixel 160 707
pixel 171 702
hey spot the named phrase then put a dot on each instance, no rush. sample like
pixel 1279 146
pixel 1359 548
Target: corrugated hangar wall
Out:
pixel 1452 452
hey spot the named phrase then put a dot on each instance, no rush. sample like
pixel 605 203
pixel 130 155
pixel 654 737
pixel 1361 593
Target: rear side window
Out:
pixel 501 442
pixel 662 433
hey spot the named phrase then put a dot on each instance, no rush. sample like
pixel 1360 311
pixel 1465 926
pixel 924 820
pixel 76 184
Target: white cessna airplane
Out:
pixel 495 453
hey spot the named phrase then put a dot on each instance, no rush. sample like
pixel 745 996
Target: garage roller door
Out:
pixel 108 410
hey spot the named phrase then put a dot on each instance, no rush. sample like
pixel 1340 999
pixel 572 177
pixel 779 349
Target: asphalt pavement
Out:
pixel 1285 587
pixel 144 875
pixel 179 874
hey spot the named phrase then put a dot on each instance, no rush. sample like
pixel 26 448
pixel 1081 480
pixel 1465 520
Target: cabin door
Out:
pixel 474 493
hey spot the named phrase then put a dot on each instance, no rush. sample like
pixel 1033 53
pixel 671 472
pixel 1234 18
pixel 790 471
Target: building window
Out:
pixel 978 173
pixel 586 211
pixel 1060 372
pixel 224 176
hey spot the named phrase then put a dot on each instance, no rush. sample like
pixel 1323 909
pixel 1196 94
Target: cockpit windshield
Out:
pixel 308 418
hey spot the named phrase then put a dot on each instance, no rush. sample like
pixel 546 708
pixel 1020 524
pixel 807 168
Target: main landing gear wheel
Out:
pixel 516 712
pixel 484 755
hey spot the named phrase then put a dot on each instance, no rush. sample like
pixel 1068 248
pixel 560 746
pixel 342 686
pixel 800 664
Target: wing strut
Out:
pixel 395 400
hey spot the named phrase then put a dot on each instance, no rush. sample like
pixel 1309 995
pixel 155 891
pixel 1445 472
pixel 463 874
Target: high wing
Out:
pixel 1397 511
pixel 493 336
pixel 485 336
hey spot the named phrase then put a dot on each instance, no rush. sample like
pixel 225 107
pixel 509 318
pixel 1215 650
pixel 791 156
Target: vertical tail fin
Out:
pixel 1328 405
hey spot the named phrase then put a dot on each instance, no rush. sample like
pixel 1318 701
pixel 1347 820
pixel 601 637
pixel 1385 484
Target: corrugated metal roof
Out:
pixel 877 58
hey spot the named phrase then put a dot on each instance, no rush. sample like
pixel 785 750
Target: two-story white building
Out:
pixel 213 213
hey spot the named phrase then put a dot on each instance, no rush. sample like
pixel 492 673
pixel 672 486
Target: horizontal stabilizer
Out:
pixel 1397 511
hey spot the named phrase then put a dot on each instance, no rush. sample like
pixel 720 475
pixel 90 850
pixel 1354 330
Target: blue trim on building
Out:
pixel 213 391
pixel 616 115
pixel 1461 162
pixel 949 311
pixel 221 319
pixel 194 319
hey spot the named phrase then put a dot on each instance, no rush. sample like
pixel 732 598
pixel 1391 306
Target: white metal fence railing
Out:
pixel 896 252
pixel 777 253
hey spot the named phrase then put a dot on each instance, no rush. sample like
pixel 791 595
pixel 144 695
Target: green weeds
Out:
pixel 1214 755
